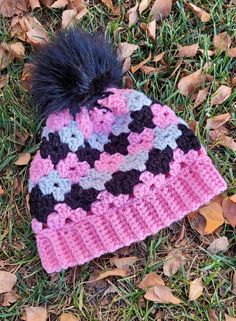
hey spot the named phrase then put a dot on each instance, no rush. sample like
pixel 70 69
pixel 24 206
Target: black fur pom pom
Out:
pixel 74 70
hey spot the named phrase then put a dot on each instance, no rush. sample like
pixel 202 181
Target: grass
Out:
pixel 120 299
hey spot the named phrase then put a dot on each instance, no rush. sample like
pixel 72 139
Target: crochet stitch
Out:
pixel 112 174
pixel 158 166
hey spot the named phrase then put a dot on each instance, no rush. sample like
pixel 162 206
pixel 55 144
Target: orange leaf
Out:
pixel 173 262
pixel 229 210
pixel 35 314
pixel 143 5
pixel 132 14
pixel 137 67
pixel 23 159
pixel 201 14
pixel 159 57
pixel 25 77
pixel 221 95
pixel 231 52
pixel 105 274
pixel 161 9
pixel 150 280
pixel 123 262
pixel 222 41
pixel 189 84
pixel 126 49
pixel 148 69
pixel 196 289
pixel 7 281
pixel 161 294
pixel 218 245
pixel 68 317
pixel 214 216
pixel 233 81
pixel 201 96
pixel 210 53
pixel 188 51
pixel 217 121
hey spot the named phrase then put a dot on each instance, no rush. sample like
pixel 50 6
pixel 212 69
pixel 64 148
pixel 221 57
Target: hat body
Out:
pixel 113 175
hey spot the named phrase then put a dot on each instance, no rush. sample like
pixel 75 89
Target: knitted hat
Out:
pixel 112 174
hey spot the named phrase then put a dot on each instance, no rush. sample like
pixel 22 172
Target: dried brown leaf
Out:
pixel 218 245
pixel 150 280
pixel 161 294
pixel 217 121
pixel 143 5
pixel 35 314
pixel 229 210
pixel 8 8
pixel 59 4
pixel 222 41
pixel 34 4
pixel 221 95
pixel 68 17
pixel 222 139
pixel 148 69
pixel 214 216
pixel 213 316
pixel 200 13
pixel 126 49
pixel 201 96
pixel 25 77
pixel 33 30
pixel 210 53
pixel 23 159
pixel 159 57
pixel 161 9
pixel 188 51
pixel 132 14
pixel 126 65
pixel 233 81
pixel 150 28
pixel 231 52
pixel 137 67
pixel 7 281
pixel 190 84
pixel 16 50
pixel 68 317
pixel 234 283
pixel 105 274
pixel 3 81
pixel 79 5
pixel 196 289
pixel 4 58
pixel 173 262
pixel 9 298
pixel 46 3
pixel 228 318
pixel 82 13
pixel 124 262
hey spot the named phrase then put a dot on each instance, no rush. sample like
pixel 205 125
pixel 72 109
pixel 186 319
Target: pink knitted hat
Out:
pixel 112 174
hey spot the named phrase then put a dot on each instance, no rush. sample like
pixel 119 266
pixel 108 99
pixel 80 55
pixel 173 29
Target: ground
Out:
pixel 120 298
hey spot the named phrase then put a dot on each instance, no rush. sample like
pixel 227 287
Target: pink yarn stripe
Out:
pixel 138 218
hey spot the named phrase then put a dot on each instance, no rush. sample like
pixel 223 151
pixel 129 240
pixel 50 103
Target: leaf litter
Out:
pixel 196 289
pixel 218 245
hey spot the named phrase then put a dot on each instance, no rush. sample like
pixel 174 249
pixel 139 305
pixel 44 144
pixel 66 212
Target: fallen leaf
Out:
pixel 34 4
pixel 9 298
pixel 148 69
pixel 234 283
pixel 212 315
pixel 126 65
pixel 7 281
pixel 23 159
pixel 26 74
pixel 3 81
pixel 228 318
pixel 231 52
pixel 161 294
pixel 229 211
pixel 218 245
pixel 123 262
pixel 4 58
pixel 68 17
pixel 196 289
pixel 9 8
pixel 224 140
pixel 217 121
pixel 68 317
pixel 59 4
pixel 222 41
pixel 126 49
pixel 82 13
pixel 150 280
pixel 210 53
pixel 197 222
pixel 190 84
pixel 233 81
pixel 214 216
pixel 105 274
pixel 159 57
pixel 143 5
pixel 188 51
pixel 150 28
pixel 35 314
pixel 46 3
pixel 161 9
pixel 132 14
pixel 200 13
pixel 221 95
pixel 137 67
pixel 201 96
pixel 173 262
pixel 31 30
pixel 16 50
